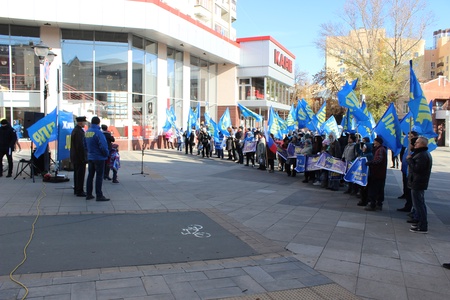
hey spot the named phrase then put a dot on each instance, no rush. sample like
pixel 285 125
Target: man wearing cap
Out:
pixel 420 163
pixel 8 138
pixel 78 156
pixel 377 176
pixel 97 153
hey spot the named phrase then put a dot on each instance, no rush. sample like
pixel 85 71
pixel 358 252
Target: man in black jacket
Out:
pixel 78 157
pixel 419 171
pixel 8 138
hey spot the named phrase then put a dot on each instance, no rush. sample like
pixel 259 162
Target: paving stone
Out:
pixel 155 285
pixel 224 273
pixel 82 291
pixel 258 274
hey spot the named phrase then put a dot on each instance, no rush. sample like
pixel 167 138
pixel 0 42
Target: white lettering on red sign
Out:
pixel 282 61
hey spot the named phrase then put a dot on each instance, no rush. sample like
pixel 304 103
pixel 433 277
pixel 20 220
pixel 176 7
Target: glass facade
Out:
pixel 144 86
pixel 175 82
pixel 95 79
pixel 203 84
pixel 253 89
pixel 19 67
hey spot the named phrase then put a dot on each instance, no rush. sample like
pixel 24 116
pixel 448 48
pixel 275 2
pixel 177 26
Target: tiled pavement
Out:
pixel 312 243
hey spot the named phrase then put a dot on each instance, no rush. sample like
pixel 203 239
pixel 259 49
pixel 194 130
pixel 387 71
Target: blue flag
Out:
pixel 277 126
pixel 192 120
pixel 303 118
pixel 291 120
pixel 418 106
pixel 42 132
pixel 65 127
pixel 248 113
pixel 319 118
pixel 224 122
pixel 347 98
pixel 389 129
pixel 213 131
pixel 330 125
pixel 347 123
pixel 405 123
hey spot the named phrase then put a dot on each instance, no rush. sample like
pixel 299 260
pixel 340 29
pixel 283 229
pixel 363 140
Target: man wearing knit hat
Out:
pixel 97 149
pixel 377 176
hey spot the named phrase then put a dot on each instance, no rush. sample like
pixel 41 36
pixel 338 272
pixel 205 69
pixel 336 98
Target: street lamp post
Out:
pixel 46 57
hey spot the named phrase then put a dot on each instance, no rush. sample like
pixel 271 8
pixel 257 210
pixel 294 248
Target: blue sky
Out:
pixel 295 24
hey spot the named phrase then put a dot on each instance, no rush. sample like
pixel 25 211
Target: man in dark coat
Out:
pixel 419 171
pixel 97 153
pixel 377 176
pixel 8 138
pixel 78 156
pixel 109 140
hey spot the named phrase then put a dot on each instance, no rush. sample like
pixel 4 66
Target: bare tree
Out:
pixel 374 40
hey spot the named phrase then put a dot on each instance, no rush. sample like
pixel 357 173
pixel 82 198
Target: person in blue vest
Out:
pixel 97 153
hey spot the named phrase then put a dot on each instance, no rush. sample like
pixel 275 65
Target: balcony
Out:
pixel 441 64
pixel 203 9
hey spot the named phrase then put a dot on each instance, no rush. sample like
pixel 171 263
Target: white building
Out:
pixel 127 61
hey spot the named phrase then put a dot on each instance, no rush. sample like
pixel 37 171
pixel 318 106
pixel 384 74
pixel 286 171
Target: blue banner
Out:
pixel 42 132
pixel 330 163
pixel 358 171
pixel 65 127
pixel 249 146
pixel 311 162
pixel 301 163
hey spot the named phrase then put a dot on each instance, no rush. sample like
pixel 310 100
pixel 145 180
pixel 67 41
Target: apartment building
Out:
pixel 127 61
pixel 437 59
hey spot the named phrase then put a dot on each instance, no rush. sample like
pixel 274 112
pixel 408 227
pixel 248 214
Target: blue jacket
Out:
pixel 95 143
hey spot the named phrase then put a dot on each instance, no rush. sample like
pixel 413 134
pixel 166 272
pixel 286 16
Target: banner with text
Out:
pixel 330 163
pixel 357 173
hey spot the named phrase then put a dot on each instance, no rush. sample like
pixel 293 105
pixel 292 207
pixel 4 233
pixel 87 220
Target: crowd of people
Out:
pixel 249 146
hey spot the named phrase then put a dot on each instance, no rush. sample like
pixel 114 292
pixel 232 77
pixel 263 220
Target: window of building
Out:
pixel 144 53
pixel 433 65
pixel 405 109
pixel 203 85
pixel 175 73
pixel 341 70
pixel 19 66
pixel 433 74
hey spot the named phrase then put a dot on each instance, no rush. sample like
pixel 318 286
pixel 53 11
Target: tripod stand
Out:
pixel 142 162
pixel 25 164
